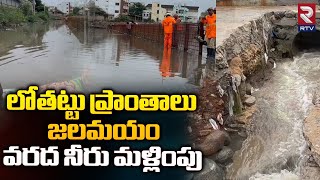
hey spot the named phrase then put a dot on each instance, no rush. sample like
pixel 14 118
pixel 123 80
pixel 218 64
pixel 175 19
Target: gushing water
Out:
pixel 274 147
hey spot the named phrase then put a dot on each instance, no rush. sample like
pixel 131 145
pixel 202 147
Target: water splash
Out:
pixel 283 175
pixel 274 147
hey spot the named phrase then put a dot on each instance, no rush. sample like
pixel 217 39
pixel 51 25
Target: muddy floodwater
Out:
pixel 42 54
pixel 274 148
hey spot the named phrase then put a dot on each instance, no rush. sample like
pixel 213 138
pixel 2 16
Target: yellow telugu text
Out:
pixel 107 101
pixel 98 131
pixel 28 100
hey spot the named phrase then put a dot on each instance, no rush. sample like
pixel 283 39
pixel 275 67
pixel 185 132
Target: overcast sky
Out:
pixel 203 4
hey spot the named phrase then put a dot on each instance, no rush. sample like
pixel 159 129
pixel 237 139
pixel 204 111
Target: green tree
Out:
pixel 76 10
pixel 39 6
pixel 122 18
pixel 26 7
pixel 136 9
pixel 10 16
pixel 99 11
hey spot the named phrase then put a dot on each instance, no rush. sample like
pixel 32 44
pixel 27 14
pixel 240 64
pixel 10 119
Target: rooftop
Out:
pixel 166 6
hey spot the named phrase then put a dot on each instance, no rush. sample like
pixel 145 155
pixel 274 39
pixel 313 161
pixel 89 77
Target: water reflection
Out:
pixel 166 63
pixel 42 54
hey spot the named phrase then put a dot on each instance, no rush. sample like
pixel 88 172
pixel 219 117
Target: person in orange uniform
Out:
pixel 210 38
pixel 167 25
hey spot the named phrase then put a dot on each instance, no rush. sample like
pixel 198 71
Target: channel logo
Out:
pixel 307 17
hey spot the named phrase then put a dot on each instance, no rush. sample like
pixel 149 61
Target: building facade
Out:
pixel 65 7
pixel 146 15
pixel 124 7
pixel 192 15
pixel 158 12
pixel 113 8
pixel 10 3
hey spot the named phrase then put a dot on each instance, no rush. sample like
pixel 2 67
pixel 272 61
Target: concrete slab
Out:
pixel 230 18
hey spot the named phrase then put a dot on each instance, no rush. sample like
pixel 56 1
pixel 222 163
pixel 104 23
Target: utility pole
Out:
pixel 34 7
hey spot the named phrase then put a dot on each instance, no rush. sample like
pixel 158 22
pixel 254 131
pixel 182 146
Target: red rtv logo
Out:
pixel 307 17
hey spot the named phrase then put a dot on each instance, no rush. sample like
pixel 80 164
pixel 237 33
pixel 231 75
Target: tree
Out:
pixel 39 6
pixel 122 18
pixel 100 12
pixel 26 7
pixel 76 10
pixel 136 9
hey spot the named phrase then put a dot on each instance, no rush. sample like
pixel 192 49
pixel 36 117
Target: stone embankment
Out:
pixel 311 131
pixel 244 61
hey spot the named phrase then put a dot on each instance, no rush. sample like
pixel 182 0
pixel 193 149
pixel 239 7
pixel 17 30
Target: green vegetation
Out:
pixel 26 7
pixel 39 6
pixel 122 18
pixel 10 16
pixel 38 17
pixel 15 16
pixel 76 11
pixel 136 9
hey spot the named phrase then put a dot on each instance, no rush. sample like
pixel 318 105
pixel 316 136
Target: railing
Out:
pixel 11 4
pixel 184 36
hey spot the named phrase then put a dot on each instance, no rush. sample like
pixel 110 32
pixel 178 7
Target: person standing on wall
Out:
pixel 1 97
pixel 178 30
pixel 176 17
pixel 129 27
pixel 210 23
pixel 201 31
pixel 167 25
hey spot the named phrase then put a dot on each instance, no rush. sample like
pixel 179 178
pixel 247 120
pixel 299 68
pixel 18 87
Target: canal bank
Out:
pixel 256 86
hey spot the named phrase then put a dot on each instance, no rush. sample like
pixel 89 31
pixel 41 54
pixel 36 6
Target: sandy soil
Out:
pixel 230 18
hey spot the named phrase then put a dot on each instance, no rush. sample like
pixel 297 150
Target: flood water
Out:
pixel 274 147
pixel 42 54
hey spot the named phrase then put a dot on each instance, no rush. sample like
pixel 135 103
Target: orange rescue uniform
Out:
pixel 210 23
pixel 167 25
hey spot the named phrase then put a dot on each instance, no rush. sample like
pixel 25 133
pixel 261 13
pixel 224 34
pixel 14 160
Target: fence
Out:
pixel 9 3
pixel 184 36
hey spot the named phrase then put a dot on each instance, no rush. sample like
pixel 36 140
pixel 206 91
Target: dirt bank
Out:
pixel 244 60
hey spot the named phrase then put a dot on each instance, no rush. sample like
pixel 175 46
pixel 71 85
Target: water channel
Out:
pixel 55 52
pixel 274 148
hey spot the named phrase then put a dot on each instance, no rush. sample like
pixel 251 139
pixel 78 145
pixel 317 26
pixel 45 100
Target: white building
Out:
pixel 113 7
pixel 157 11
pixel 10 3
pixel 65 7
pixel 146 15
pixel 186 13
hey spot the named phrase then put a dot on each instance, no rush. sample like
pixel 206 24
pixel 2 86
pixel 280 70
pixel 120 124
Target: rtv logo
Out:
pixel 307 17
